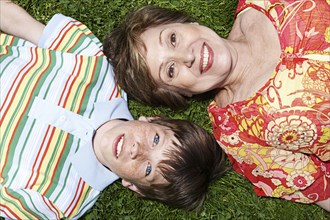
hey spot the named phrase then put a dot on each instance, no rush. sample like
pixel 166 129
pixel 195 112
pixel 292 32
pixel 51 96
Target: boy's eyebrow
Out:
pixel 154 177
pixel 157 177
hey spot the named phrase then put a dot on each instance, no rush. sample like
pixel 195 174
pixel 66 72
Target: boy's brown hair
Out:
pixel 189 168
pixel 123 47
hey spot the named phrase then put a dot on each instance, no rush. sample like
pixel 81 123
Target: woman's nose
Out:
pixel 186 57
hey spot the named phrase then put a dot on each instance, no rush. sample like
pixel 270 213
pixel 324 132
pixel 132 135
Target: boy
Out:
pixel 66 132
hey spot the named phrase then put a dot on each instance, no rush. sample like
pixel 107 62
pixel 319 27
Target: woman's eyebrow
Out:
pixel 160 36
pixel 160 71
pixel 162 64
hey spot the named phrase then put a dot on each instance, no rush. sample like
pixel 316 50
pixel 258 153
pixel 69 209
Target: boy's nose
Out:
pixel 136 150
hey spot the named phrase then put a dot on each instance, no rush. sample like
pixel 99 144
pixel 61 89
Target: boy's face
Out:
pixel 133 149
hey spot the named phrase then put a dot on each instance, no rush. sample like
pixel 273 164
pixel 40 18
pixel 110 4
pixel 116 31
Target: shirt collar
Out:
pixel 109 110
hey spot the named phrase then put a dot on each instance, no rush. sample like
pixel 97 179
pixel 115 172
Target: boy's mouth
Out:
pixel 118 145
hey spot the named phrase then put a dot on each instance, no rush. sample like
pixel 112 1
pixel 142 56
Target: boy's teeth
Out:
pixel 120 145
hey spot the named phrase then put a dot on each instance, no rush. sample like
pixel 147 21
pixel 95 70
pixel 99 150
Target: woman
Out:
pixel 67 134
pixel 271 78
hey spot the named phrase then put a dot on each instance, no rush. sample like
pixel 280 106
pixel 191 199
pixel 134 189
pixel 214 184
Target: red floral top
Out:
pixel 279 138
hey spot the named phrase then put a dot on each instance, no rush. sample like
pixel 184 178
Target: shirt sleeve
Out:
pixel 68 35
pixel 7 40
pixel 281 173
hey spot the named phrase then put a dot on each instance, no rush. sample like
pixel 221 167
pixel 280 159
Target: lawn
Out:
pixel 231 197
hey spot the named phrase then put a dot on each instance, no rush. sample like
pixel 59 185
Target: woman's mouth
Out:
pixel 206 59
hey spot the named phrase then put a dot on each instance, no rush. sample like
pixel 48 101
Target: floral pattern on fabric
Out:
pixel 279 139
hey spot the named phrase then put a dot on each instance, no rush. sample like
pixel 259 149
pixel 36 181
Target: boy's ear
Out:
pixel 143 118
pixel 146 119
pixel 131 186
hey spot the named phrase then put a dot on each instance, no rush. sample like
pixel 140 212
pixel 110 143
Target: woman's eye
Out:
pixel 148 169
pixel 173 39
pixel 156 139
pixel 170 72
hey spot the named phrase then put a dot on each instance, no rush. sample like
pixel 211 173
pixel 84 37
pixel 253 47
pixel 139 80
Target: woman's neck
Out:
pixel 255 51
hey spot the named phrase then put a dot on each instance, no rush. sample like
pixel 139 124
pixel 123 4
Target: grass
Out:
pixel 231 197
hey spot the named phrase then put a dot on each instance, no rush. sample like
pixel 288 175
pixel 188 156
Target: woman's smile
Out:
pixel 206 59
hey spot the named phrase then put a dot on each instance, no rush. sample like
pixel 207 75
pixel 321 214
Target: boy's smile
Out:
pixel 118 145
pixel 133 149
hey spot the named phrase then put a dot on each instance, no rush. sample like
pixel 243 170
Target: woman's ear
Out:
pixel 187 94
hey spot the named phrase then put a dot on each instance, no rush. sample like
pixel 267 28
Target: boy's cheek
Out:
pixel 130 173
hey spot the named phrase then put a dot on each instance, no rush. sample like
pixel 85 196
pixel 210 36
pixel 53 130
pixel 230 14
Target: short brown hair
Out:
pixel 122 46
pixel 190 168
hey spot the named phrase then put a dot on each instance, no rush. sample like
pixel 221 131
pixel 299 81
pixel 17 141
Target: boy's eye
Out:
pixel 148 169
pixel 156 139
pixel 173 39
pixel 170 72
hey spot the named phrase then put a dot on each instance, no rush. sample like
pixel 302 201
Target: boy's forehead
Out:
pixel 173 141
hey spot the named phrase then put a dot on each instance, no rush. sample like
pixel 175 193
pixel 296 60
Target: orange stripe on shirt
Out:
pixel 86 86
pixel 66 85
pixel 74 198
pixel 17 87
pixel 35 161
pixel 51 208
pixel 63 33
pixel 20 202
pixel 78 199
pixel 8 43
pixel 58 161
pixel 73 83
pixel 75 43
pixel 43 157
pixel 115 89
pixel 5 208
pixel 56 209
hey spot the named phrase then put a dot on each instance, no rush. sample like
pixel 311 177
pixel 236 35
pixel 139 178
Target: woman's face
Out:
pixel 187 57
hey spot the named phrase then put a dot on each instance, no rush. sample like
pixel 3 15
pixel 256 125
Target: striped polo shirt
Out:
pixel 53 98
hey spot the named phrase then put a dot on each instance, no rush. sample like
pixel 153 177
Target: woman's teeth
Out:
pixel 205 57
